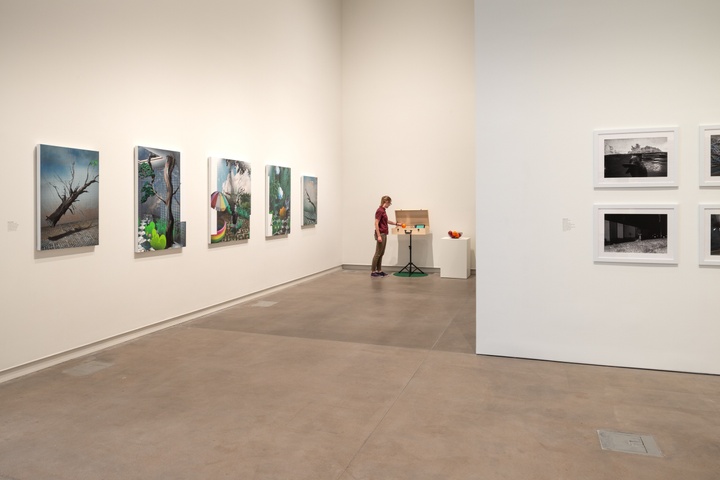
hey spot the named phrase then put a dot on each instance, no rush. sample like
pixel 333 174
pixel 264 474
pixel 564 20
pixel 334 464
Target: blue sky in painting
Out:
pixel 56 169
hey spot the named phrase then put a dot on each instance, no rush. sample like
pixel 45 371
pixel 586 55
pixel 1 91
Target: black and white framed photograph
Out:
pixel 645 157
pixel 709 235
pixel 709 155
pixel 636 234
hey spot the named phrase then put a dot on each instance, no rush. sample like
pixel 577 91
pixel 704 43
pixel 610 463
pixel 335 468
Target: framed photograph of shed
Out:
pixel 710 156
pixel 636 234
pixel 633 158
pixel 709 235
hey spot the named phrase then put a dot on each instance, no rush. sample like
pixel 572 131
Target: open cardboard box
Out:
pixel 416 222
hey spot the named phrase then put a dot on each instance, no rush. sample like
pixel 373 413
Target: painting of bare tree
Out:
pixel 158 200
pixel 68 197
pixel 309 193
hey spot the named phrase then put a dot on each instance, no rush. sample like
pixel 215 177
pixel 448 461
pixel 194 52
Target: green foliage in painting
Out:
pixel 146 192
pixel 161 226
pixel 158 242
pixel 279 199
pixel 145 171
pixel 242 213
pixel 245 204
pixel 149 228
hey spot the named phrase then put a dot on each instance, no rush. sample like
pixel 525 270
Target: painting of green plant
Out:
pixel 68 197
pixel 278 200
pixel 229 201
pixel 158 200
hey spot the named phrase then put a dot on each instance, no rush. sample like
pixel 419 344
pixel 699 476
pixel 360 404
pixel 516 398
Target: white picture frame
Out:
pixel 636 234
pixel 636 158
pixel 709 234
pixel 709 155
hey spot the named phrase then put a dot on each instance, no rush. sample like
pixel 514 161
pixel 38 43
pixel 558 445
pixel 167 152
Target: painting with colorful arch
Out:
pixel 229 200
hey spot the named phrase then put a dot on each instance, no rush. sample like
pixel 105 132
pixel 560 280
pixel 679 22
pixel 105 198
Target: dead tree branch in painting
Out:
pixel 70 193
pixel 313 216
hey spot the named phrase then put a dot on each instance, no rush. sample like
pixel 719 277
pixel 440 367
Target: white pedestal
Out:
pixel 455 257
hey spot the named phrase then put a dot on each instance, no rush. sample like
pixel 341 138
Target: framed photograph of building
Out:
pixel 635 158
pixel 709 235
pixel 636 234
pixel 709 156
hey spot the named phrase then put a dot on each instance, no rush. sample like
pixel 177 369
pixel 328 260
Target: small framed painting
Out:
pixel 636 234
pixel 309 193
pixel 157 200
pixel 636 158
pixel 277 200
pixel 68 189
pixel 710 156
pixel 229 200
pixel 709 234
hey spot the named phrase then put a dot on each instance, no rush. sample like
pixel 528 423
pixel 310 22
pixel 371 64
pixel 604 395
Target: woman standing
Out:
pixel 381 232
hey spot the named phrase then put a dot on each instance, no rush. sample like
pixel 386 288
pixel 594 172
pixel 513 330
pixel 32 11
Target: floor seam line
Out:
pixel 432 348
pixel 390 407
pixel 394 402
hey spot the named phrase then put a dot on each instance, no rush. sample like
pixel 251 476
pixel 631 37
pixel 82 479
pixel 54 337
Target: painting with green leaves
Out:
pixel 68 193
pixel 229 200
pixel 158 200
pixel 277 191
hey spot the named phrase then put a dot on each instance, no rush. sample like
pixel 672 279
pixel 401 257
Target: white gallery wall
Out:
pixel 251 80
pixel 408 99
pixel 548 74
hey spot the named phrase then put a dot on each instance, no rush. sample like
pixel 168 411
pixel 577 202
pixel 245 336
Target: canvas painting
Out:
pixel 635 158
pixel 309 193
pixel 229 200
pixel 68 202
pixel 158 200
pixel 710 155
pixel 277 191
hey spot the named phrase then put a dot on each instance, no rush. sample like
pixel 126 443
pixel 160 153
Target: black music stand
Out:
pixel 411 268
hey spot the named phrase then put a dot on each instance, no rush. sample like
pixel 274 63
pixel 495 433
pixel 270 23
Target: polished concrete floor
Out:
pixel 348 377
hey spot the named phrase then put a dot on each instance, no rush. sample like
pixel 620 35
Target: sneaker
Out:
pixel 375 274
pixel 382 274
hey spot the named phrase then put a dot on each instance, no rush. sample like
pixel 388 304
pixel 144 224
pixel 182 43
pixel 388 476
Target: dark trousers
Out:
pixel 379 252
